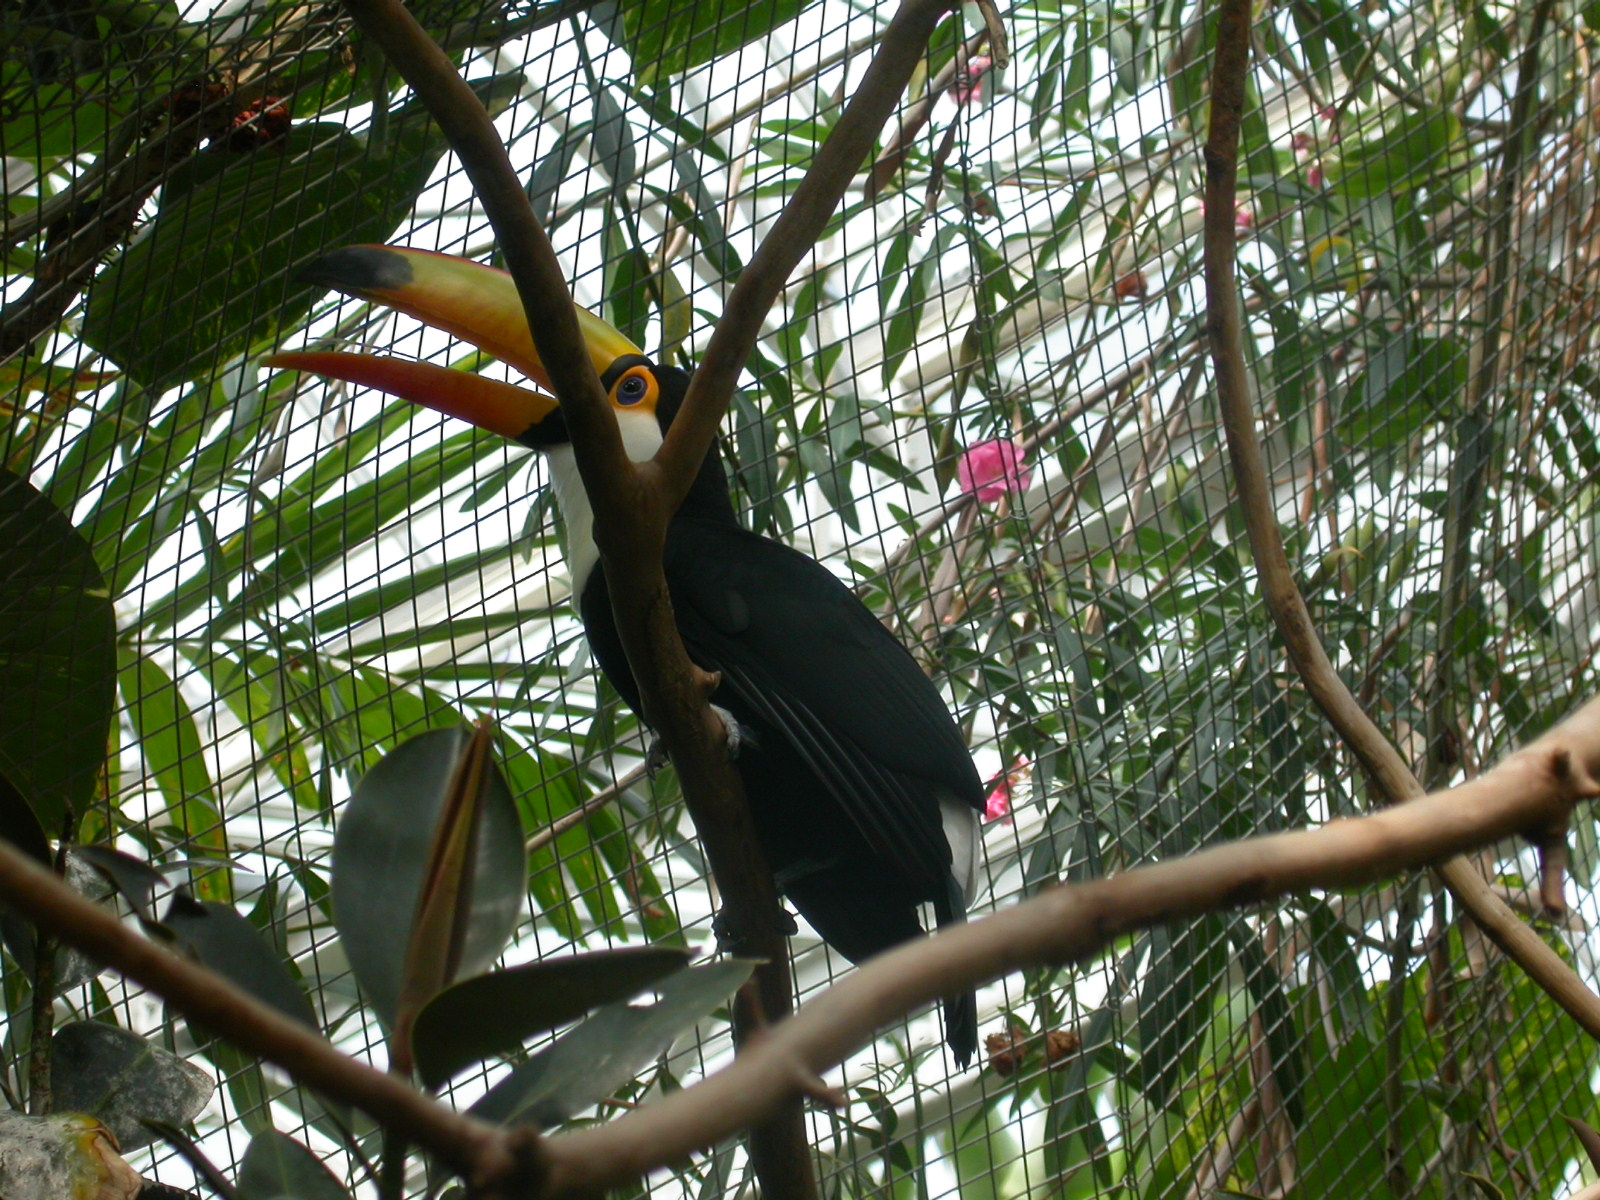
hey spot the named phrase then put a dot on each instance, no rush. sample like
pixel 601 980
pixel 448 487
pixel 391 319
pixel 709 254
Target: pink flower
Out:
pixel 990 470
pixel 1243 218
pixel 998 806
pixel 969 83
pixel 1301 144
pixel 1315 178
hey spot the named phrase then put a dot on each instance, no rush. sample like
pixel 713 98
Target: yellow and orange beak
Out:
pixel 479 305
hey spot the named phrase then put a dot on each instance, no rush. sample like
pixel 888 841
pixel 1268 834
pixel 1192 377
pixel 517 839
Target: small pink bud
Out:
pixel 1243 218
pixel 990 470
pixel 1315 178
pixel 969 83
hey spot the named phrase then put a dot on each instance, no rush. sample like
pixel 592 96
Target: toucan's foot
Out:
pixel 655 757
pixel 731 941
pixel 739 738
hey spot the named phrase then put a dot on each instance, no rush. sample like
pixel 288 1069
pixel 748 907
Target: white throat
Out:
pixel 641 438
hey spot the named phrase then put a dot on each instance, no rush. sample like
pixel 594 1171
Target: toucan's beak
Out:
pixel 475 303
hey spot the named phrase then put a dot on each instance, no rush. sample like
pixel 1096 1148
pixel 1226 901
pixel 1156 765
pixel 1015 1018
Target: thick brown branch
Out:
pixel 793 236
pixel 1374 751
pixel 1530 789
pixel 631 509
pixel 468 1145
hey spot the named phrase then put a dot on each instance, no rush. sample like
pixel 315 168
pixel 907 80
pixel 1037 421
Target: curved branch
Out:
pixel 1071 923
pixel 1374 751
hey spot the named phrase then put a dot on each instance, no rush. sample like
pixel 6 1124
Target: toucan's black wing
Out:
pixel 800 652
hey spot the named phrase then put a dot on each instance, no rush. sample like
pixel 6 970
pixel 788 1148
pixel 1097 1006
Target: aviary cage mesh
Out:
pixel 985 401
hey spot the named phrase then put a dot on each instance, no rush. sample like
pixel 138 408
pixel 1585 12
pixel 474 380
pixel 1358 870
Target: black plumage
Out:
pixel 848 749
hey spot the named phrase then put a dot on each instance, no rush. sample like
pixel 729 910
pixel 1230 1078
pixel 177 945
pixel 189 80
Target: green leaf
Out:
pixel 1405 151
pixel 381 854
pixel 1410 382
pixel 609 1049
pixel 219 938
pixel 1187 963
pixel 277 1166
pixel 121 1078
pixel 175 304
pixel 57 657
pixel 493 1014
pixel 171 744
pixel 665 37
pixel 1265 985
pixel 135 880
pixel 54 120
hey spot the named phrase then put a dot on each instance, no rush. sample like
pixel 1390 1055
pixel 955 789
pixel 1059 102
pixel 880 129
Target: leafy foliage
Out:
pixel 232 605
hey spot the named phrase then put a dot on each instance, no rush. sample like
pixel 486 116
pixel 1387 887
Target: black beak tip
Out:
pixel 357 270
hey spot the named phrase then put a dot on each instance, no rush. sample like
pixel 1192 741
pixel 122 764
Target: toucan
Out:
pixel 862 792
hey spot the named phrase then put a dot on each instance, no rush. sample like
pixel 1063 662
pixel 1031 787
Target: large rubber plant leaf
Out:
pixel 123 1079
pixel 276 1165
pixel 381 856
pixel 58 660
pixel 666 37
pixel 492 1014
pixel 212 275
pixel 71 967
pixel 609 1049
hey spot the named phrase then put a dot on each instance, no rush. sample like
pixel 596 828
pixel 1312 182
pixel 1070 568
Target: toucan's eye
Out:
pixel 633 387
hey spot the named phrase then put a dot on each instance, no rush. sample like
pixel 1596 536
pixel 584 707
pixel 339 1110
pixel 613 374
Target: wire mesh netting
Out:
pixel 984 401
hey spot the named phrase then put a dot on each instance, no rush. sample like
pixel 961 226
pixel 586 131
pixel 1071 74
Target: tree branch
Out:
pixel 1068 924
pixel 793 236
pixel 1533 789
pixel 1374 751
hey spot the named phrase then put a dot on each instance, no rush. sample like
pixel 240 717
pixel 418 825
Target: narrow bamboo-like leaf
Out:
pixel 551 171
pixel 381 854
pixel 276 1166
pixel 1187 963
pixel 57 656
pixel 136 881
pixel 218 937
pixel 171 745
pixel 665 37
pixel 124 1080
pixel 492 1014
pixel 1277 1018
pixel 609 1049
pixel 612 138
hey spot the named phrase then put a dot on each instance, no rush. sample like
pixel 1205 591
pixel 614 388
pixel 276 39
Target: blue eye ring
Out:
pixel 633 388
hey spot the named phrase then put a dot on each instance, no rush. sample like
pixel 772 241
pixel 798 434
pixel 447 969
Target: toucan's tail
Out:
pixel 960 1012
pixel 961 1026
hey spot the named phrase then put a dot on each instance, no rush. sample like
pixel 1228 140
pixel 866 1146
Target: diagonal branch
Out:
pixel 1532 788
pixel 1374 751
pixel 793 236
pixel 465 1143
